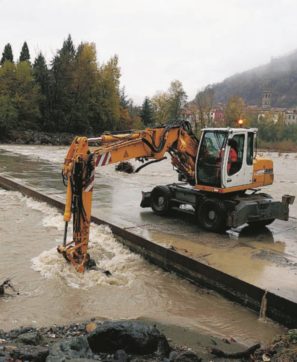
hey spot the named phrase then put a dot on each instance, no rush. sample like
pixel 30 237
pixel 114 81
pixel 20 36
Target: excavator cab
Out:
pixel 225 157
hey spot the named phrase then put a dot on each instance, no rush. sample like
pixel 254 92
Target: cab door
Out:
pixel 209 158
pixel 240 171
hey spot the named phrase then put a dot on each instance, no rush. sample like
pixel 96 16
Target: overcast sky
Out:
pixel 195 41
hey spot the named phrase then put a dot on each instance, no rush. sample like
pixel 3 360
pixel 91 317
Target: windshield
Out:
pixel 209 159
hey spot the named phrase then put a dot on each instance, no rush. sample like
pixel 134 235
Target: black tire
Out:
pixel 160 200
pixel 212 215
pixel 261 223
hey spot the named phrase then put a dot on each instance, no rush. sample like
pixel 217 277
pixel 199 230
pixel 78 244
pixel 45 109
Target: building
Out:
pixel 266 99
pixel 217 116
pixel 291 116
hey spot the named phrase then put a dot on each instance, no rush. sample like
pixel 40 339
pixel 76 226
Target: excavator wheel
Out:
pixel 212 215
pixel 160 200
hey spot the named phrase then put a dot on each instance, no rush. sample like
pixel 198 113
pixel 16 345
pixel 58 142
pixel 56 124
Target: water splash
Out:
pixel 103 248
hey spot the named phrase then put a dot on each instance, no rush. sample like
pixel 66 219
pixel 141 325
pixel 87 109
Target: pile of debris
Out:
pixel 109 341
pixel 124 341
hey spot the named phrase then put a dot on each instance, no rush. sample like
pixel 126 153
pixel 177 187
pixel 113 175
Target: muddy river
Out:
pixel 51 292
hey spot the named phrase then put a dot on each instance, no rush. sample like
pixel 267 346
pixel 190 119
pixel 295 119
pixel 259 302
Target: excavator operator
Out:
pixel 233 157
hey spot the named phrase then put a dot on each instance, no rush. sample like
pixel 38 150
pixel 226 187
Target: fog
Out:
pixel 158 41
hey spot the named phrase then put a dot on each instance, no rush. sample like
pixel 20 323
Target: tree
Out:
pixel 84 88
pixel 25 55
pixel 41 76
pixel 108 93
pixel 147 112
pixel 19 95
pixel 7 54
pixel 234 110
pixel 8 115
pixel 124 100
pixel 27 97
pixel 62 74
pixel 160 102
pixel 129 113
pixel 177 101
pixel 204 102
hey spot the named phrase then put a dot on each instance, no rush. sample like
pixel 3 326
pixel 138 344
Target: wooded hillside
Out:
pixel 279 76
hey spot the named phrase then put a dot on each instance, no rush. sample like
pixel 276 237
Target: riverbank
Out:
pixel 38 138
pixel 281 146
pixel 30 137
pixel 122 341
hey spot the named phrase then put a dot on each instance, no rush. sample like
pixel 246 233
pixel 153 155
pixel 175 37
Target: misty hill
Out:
pixel 279 76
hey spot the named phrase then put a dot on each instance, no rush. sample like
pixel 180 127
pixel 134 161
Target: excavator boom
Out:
pixel 84 155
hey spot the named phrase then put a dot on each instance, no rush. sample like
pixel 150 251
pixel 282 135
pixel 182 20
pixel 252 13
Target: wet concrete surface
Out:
pixel 267 259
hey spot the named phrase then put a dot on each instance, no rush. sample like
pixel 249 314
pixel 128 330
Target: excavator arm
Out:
pixel 84 155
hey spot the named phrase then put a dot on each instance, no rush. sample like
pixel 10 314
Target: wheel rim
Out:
pixel 211 215
pixel 161 201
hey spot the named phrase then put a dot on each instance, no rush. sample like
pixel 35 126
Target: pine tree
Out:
pixel 62 75
pixel 25 55
pixel 40 72
pixel 124 101
pixel 7 54
pixel 147 113
pixel 42 78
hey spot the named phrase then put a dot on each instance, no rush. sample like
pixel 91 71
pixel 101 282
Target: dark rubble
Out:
pixel 124 341
pixel 121 341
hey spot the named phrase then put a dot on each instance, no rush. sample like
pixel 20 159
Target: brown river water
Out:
pixel 51 292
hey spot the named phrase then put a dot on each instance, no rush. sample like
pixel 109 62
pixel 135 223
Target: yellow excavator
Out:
pixel 220 179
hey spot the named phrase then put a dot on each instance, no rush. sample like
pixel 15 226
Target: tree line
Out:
pixel 75 93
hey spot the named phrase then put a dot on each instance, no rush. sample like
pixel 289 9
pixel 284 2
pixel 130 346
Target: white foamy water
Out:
pixel 105 250
pixel 55 154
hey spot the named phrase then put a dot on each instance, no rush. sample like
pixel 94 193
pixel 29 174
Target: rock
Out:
pixel 121 356
pixel 30 353
pixel 32 338
pixel 90 327
pixel 187 356
pixel 133 337
pixel 172 355
pixel 74 348
pixel 16 332
pixel 124 167
pixel 163 348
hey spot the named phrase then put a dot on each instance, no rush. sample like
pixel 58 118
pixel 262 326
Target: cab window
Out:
pixel 235 157
pixel 250 149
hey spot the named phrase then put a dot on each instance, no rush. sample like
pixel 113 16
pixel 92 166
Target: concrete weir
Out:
pixel 278 308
